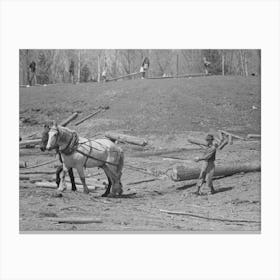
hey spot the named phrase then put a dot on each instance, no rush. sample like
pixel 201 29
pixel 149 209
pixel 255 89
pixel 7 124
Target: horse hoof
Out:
pixel 74 189
pixel 104 195
pixel 86 191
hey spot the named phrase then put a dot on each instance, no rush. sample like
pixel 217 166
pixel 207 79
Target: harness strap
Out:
pixel 87 155
pixel 101 160
pixel 69 143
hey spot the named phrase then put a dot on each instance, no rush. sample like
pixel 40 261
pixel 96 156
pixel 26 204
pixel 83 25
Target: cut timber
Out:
pixel 69 119
pixel 53 185
pixel 182 76
pixel 26 143
pixel 75 220
pixel 182 173
pixel 91 115
pixel 196 141
pixel 22 177
pixel 37 172
pixel 250 136
pixel 121 77
pixel 232 135
pixel 126 138
pixel 23 164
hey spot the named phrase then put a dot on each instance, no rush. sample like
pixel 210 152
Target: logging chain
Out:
pixel 155 173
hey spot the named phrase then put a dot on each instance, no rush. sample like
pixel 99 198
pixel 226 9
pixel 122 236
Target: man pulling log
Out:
pixel 208 163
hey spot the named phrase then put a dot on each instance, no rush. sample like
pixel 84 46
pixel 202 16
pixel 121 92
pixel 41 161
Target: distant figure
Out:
pixel 144 67
pixel 104 74
pixel 206 65
pixel 71 71
pixel 32 73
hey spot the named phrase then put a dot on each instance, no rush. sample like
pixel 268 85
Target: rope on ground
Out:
pixel 41 164
pixel 208 218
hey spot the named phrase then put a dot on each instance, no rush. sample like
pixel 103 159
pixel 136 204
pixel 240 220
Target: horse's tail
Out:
pixel 121 162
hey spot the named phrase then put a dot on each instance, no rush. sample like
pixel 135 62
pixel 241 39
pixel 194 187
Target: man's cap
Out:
pixel 209 137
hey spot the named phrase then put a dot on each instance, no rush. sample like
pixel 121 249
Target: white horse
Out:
pixel 79 153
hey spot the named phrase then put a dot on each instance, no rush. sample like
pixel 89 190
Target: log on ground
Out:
pixel 69 119
pixel 29 143
pixel 53 185
pixel 75 220
pixel 100 109
pixel 182 173
pixel 250 136
pixel 23 164
pixel 196 141
pixel 126 138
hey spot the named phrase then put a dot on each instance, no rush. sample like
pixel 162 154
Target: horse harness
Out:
pixel 73 145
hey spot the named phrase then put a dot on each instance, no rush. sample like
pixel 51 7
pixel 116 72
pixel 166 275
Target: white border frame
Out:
pixel 176 24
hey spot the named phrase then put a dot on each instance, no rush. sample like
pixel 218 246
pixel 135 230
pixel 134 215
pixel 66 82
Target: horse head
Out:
pixel 53 134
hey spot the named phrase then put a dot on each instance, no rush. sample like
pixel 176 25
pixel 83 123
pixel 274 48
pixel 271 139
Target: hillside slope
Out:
pixel 147 107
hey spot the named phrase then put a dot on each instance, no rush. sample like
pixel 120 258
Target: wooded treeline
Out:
pixel 52 66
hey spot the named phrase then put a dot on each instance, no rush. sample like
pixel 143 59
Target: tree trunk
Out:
pixel 181 173
pixel 223 63
pixel 242 63
pixel 177 66
pixel 245 63
pixel 79 67
pixel 98 68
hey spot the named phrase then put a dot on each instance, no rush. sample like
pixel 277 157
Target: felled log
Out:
pixel 121 77
pixel 231 135
pixel 23 164
pixel 22 177
pixel 250 136
pixel 199 142
pixel 182 173
pixel 53 185
pixel 126 138
pixel 91 115
pixel 69 119
pixel 75 220
pixel 27 143
pixel 38 172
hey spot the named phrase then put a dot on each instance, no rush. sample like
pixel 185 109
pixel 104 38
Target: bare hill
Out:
pixel 149 106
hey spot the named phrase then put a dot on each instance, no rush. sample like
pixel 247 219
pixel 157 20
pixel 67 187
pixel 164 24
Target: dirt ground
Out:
pixel 166 112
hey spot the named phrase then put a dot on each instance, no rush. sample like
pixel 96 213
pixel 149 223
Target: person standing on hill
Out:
pixel 104 74
pixel 32 73
pixel 144 67
pixel 72 71
pixel 208 163
pixel 206 65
